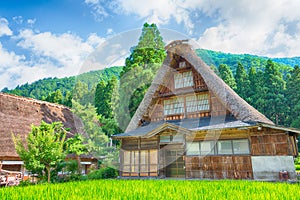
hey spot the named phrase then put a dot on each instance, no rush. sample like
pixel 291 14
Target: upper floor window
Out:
pixel 174 106
pixel 197 102
pixel 184 79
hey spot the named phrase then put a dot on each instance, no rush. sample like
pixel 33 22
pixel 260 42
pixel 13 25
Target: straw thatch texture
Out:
pixel 226 96
pixel 17 114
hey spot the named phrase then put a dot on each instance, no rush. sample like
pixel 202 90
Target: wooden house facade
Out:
pixel 17 114
pixel 190 124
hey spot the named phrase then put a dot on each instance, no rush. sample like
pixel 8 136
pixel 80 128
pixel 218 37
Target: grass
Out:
pixel 155 189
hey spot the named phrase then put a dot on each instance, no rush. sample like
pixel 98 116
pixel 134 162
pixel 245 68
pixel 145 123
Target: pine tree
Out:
pixel 227 76
pixel 138 73
pixel 100 101
pixel 293 98
pixel 242 81
pixel 255 88
pixel 106 98
pixel 274 87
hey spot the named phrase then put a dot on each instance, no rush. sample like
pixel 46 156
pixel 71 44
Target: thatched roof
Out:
pixel 17 114
pixel 238 107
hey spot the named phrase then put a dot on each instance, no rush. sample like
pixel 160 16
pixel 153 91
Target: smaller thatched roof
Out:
pixel 17 114
pixel 227 97
pixel 187 125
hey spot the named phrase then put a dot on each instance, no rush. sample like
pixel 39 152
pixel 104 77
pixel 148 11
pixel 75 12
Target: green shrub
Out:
pixel 297 167
pixel 25 183
pixel 103 173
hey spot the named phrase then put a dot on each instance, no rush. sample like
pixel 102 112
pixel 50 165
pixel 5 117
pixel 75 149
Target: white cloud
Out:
pixel 8 59
pixel 51 56
pixel 66 49
pixel 4 29
pixel 159 12
pixel 98 10
pixel 234 26
pixel 257 27
pixel 110 31
pixel 18 19
pixel 31 22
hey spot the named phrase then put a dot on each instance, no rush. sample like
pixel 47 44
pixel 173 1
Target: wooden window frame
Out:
pixel 183 79
pixel 216 148
pixel 133 171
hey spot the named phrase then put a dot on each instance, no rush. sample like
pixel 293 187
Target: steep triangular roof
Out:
pixel 17 114
pixel 228 98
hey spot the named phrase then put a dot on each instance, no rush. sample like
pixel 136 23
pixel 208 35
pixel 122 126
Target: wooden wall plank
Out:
pixel 219 167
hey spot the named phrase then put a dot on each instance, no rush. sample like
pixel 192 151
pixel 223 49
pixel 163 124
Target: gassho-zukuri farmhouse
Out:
pixel 17 114
pixel 190 124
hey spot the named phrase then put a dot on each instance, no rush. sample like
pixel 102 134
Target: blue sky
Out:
pixel 58 38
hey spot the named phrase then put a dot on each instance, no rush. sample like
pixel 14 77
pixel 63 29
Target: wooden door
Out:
pixel 174 164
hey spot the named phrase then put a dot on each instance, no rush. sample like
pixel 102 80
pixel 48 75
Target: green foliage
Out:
pixel 106 98
pixel 45 88
pixel 217 58
pixel 242 81
pixel 95 138
pixel 109 126
pixel 156 189
pixel 25 183
pixel 273 93
pixel 44 149
pixel 227 76
pixel 293 97
pixel 75 145
pixel 103 173
pixel 55 97
pixel 138 73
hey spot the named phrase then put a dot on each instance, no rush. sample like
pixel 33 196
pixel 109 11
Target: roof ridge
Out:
pixel 32 100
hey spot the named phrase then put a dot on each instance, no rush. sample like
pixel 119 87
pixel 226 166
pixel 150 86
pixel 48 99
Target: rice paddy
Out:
pixel 155 189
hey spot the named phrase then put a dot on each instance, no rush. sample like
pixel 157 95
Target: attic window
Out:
pixel 184 79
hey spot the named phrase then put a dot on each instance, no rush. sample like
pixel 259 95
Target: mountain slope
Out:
pixel 41 88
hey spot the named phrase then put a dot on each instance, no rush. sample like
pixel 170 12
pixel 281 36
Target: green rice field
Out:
pixel 155 189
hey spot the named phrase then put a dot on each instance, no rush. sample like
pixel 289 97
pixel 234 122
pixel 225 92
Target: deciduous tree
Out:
pixel 44 147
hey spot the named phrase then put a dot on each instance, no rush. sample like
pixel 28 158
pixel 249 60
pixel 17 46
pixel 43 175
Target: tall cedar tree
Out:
pixel 106 102
pixel 242 81
pixel 44 147
pixel 273 93
pixel 293 97
pixel 138 73
pixel 101 102
pixel 227 76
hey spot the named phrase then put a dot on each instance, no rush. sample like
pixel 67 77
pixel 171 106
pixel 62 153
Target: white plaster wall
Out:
pixel 268 167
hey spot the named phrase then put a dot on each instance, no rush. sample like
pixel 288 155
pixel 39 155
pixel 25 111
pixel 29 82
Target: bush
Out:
pixel 25 183
pixel 103 173
pixel 297 167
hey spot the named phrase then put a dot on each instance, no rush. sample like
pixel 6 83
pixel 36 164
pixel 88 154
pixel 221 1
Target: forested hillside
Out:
pixel 269 85
pixel 44 88
pixel 215 58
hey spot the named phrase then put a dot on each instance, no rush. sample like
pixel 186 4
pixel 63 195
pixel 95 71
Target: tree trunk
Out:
pixel 79 164
pixel 48 172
